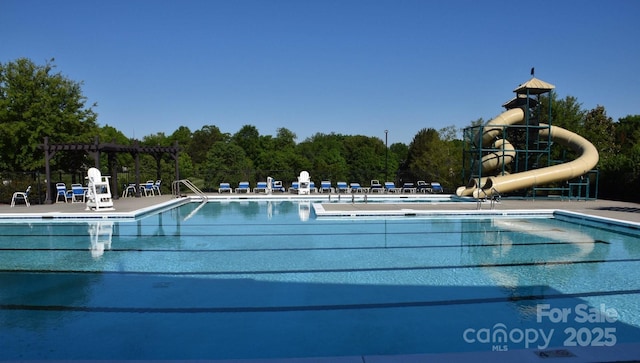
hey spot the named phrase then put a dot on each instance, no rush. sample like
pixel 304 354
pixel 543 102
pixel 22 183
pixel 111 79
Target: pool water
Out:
pixel 267 279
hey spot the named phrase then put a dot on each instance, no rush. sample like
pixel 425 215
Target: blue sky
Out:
pixel 353 67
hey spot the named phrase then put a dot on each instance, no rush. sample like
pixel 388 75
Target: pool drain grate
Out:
pixel 554 353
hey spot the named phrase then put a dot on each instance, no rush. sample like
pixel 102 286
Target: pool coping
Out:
pixel 338 205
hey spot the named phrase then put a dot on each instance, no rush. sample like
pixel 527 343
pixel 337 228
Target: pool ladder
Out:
pixel 175 188
pixel 494 198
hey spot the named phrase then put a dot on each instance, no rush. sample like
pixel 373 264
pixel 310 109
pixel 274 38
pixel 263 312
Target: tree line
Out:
pixel 36 101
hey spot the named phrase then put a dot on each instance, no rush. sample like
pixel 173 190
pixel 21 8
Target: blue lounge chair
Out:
pixel 342 187
pixel 436 187
pixel 355 188
pixel 147 188
pixel 312 187
pixel 243 187
pixel 261 187
pixel 61 192
pixel 21 195
pixel 277 186
pixel 77 193
pixel 293 189
pixel 325 186
pixel 390 187
pixel 156 187
pixel 224 188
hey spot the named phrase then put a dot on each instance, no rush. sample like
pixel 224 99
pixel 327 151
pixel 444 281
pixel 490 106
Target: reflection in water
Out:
pixel 100 233
pixel 193 212
pixel 523 256
pixel 304 210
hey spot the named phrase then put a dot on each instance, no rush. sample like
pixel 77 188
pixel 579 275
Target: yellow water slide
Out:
pixel 487 186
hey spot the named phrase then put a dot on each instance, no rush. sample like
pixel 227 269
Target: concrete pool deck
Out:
pixel 620 211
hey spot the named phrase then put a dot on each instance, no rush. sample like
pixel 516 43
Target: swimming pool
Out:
pixel 265 279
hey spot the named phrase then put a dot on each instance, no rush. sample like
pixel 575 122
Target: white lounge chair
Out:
pixel 277 186
pixel 156 187
pixel 376 187
pixel 129 190
pixel 423 187
pixel 342 187
pixel 261 187
pixel 77 193
pixel 312 187
pixel 147 188
pixel 408 188
pixel 21 195
pixel 243 187
pixel 436 187
pixel 293 189
pixel 356 188
pixel 61 192
pixel 225 188
pixel 390 187
pixel 325 186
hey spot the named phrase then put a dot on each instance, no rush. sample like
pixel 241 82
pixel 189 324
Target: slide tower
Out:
pixel 514 153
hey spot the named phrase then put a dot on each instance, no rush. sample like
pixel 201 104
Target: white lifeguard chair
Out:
pixel 98 192
pixel 304 183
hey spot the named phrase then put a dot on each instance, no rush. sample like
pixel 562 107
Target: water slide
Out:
pixel 487 186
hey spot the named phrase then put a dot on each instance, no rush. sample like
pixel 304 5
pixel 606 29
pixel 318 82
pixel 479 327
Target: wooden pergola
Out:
pixel 111 150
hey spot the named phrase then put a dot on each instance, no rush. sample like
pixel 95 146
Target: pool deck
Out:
pixel 622 211
pixel 609 210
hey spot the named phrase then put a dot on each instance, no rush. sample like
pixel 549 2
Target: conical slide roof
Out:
pixel 534 86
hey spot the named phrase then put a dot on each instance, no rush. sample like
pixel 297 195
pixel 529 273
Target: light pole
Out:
pixel 386 155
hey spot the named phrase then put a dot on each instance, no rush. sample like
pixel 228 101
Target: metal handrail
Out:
pixel 495 197
pixel 480 199
pixel 175 188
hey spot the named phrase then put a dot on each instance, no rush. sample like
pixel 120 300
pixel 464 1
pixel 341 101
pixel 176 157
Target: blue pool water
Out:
pixel 268 279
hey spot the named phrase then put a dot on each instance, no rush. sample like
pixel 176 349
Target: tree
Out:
pixel 600 130
pixel 36 102
pixel 248 138
pixel 202 140
pixel 620 171
pixel 226 161
pixel 628 132
pixel 420 160
pixel 277 157
pixel 566 113
pixel 182 136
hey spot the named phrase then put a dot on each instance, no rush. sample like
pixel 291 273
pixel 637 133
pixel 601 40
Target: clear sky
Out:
pixel 354 67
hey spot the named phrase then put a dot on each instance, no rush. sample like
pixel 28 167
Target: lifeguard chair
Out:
pixel 304 183
pixel 99 192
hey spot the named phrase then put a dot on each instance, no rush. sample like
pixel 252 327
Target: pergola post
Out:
pixel 47 169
